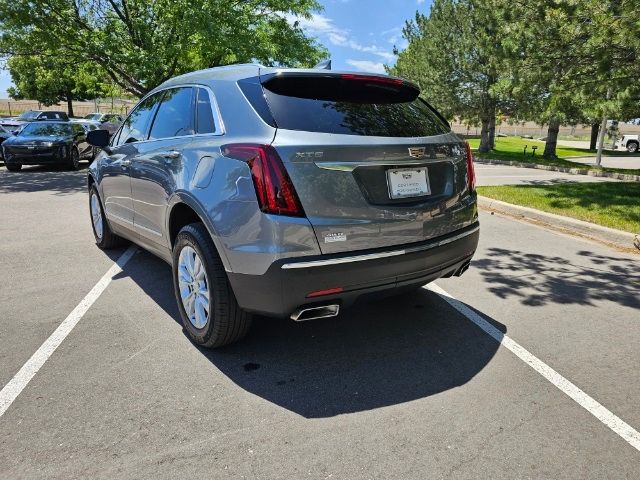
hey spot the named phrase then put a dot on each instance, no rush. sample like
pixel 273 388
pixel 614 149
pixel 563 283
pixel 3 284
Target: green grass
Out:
pixel 511 149
pixel 610 204
pixel 582 138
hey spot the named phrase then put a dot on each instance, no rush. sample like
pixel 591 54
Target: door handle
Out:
pixel 125 163
pixel 171 154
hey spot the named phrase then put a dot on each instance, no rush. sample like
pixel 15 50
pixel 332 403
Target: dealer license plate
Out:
pixel 408 182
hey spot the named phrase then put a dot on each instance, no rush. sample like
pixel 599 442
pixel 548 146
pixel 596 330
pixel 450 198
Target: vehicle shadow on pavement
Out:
pixel 44 178
pixel 541 279
pixel 387 352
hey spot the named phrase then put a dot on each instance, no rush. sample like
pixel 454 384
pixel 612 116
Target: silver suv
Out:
pixel 285 192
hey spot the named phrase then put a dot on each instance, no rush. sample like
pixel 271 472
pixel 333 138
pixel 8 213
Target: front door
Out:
pixel 116 181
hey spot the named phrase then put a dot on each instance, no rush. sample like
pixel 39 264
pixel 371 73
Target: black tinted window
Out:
pixel 205 122
pixel 135 126
pixel 54 115
pixel 332 104
pixel 175 114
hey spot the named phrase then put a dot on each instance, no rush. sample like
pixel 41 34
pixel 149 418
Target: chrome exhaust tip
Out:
pixel 463 269
pixel 313 313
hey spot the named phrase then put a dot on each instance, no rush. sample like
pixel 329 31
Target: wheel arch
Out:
pixel 183 210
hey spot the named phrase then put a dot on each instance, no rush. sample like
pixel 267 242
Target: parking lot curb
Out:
pixel 573 171
pixel 615 238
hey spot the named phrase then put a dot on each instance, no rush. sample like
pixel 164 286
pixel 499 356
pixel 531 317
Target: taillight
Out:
pixel 273 186
pixel 371 79
pixel 471 172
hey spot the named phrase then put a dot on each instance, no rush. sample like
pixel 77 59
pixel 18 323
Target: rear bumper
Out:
pixel 285 286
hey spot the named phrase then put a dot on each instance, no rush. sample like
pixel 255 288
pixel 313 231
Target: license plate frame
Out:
pixel 405 183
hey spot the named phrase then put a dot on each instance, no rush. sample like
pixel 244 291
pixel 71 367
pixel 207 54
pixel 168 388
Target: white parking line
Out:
pixel 615 423
pixel 21 379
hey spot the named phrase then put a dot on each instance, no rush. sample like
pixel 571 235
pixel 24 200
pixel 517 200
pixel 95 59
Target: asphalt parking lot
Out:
pixel 406 387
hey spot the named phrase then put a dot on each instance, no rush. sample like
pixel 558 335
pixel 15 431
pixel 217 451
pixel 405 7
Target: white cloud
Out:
pixel 319 25
pixel 367 66
pixel 420 2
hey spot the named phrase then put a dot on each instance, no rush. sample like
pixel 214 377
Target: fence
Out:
pixel 537 131
pixel 80 109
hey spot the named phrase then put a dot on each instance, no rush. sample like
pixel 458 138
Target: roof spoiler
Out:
pixel 323 65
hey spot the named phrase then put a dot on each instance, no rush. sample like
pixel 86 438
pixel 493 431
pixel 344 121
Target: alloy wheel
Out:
pixel 194 287
pixel 96 216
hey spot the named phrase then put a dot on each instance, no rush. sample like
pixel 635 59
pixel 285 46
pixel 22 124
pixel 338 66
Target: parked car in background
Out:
pixel 4 134
pixel 108 121
pixel 285 192
pixel 14 124
pixel 47 143
pixel 631 143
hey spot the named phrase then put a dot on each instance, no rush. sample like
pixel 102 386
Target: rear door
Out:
pixel 373 165
pixel 80 139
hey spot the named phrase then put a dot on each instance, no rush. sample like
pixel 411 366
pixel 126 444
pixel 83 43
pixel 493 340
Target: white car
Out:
pixel 631 143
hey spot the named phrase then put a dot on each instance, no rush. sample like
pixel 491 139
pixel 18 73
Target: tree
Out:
pixel 141 43
pixel 579 59
pixel 454 56
pixel 49 80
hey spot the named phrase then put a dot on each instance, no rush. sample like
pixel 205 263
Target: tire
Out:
pixel 632 147
pixel 225 322
pixel 107 239
pixel 13 167
pixel 74 159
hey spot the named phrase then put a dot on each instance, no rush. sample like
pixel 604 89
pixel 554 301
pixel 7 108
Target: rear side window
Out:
pixel 351 105
pixel 204 113
pixel 175 114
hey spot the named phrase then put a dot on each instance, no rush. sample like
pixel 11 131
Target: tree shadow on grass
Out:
pixel 44 178
pixel 391 351
pixel 538 280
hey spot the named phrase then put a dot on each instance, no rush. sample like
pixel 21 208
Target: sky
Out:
pixel 359 34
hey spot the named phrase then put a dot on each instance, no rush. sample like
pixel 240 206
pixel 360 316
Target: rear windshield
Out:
pixel 351 105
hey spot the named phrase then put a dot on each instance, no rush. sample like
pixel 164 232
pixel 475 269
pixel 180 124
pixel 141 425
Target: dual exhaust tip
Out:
pixel 313 313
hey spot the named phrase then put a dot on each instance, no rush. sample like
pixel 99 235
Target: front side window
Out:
pixel 175 114
pixel 134 127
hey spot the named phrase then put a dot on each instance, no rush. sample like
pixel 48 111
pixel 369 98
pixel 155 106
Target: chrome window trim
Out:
pixel 217 117
pixel 375 256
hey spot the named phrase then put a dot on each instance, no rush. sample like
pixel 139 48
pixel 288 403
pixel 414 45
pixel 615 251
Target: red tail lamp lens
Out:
pixel 471 172
pixel 274 189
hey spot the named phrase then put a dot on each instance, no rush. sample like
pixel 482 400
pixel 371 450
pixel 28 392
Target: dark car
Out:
pixel 4 134
pixel 285 192
pixel 47 143
pixel 14 124
pixel 107 121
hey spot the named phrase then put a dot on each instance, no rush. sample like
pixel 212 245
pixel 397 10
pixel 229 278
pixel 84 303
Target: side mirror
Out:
pixel 98 138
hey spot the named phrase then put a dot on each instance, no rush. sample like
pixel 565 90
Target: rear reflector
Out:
pixel 274 189
pixel 471 172
pixel 328 291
